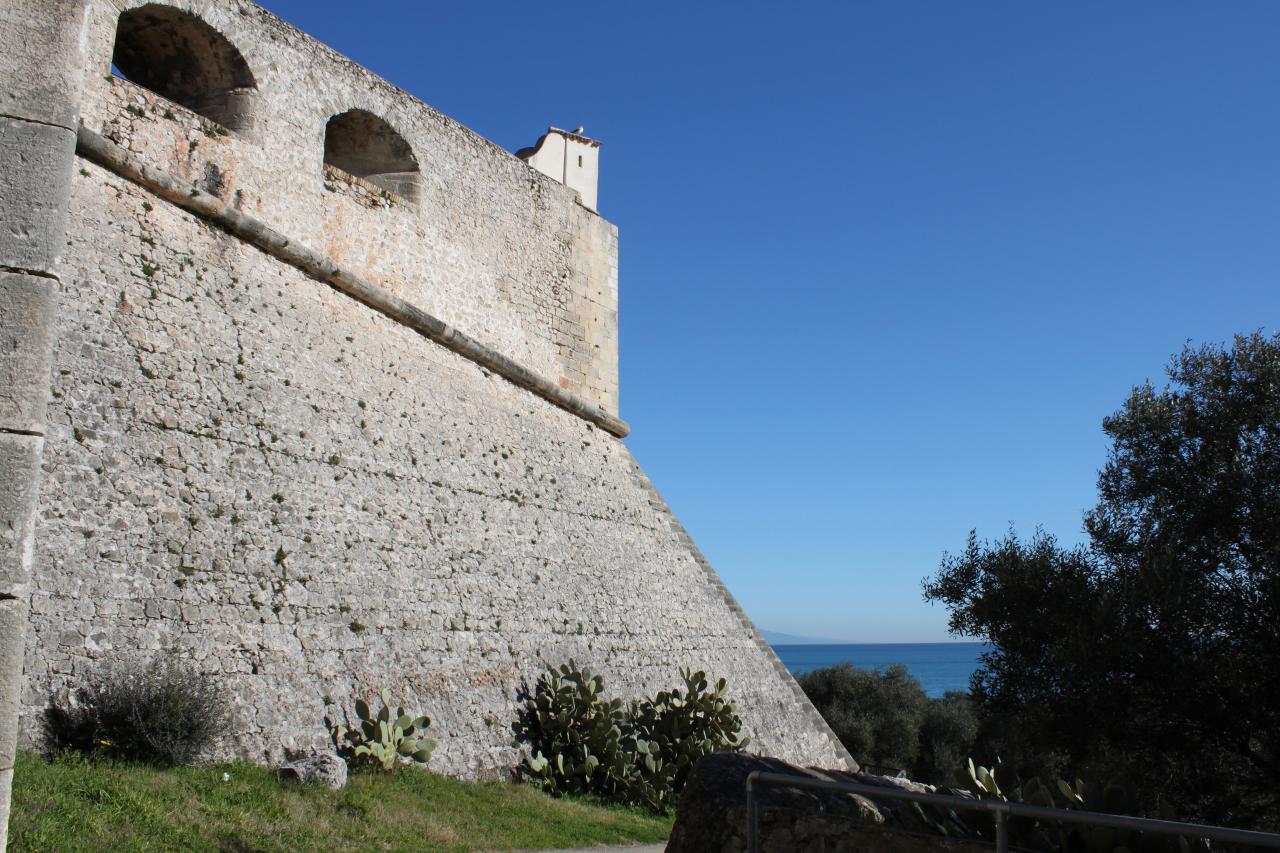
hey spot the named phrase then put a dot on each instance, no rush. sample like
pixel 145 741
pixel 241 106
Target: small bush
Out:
pixel 883 717
pixel 948 730
pixel 164 713
pixel 875 713
pixel 584 743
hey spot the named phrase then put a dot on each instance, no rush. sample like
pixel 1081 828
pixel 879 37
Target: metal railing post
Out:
pixel 753 816
pixel 1002 832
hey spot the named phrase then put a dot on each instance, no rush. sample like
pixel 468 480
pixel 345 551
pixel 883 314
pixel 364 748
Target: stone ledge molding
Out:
pixel 100 150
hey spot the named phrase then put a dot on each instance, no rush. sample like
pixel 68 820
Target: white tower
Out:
pixel 570 158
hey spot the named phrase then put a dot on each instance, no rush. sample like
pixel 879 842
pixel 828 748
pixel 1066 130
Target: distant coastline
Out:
pixel 939 666
pixel 777 638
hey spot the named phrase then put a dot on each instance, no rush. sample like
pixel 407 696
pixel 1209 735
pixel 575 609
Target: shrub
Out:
pixel 164 712
pixel 1050 836
pixel 678 729
pixel 383 739
pixel 883 717
pixel 875 713
pixel 948 730
pixel 582 742
pixel 576 737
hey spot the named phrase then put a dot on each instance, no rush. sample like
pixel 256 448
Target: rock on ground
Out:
pixel 325 767
pixel 711 816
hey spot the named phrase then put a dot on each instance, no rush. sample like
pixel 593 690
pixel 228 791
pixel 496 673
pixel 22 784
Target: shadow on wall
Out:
pixel 177 55
pixel 361 144
pixel 185 60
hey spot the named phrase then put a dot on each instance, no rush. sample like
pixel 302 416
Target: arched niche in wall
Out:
pixel 177 55
pixel 361 144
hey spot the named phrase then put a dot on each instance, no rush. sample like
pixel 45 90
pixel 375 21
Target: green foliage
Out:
pixel 948 730
pixel 577 737
pixel 383 739
pixel 1048 836
pixel 884 718
pixel 164 712
pixel 1143 653
pixel 675 729
pixel 73 804
pixel 584 743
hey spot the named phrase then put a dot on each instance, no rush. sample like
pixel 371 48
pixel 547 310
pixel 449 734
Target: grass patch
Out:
pixel 73 803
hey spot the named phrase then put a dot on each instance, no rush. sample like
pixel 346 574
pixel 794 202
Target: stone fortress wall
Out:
pixel 251 458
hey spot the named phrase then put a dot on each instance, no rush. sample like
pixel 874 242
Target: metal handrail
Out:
pixel 1002 811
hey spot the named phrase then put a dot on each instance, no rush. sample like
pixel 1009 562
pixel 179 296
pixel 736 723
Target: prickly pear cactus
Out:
pixel 582 742
pixel 576 736
pixel 383 739
pixel 1054 837
pixel 676 728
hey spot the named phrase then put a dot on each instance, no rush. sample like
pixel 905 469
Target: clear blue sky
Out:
pixel 884 265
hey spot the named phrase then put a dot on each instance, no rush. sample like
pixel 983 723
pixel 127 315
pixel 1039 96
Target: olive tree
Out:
pixel 1151 654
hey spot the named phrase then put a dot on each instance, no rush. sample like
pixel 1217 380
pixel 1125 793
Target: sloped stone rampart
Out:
pixel 314 503
pixel 303 495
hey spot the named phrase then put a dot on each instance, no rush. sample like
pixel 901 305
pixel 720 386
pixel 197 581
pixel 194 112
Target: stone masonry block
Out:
pixel 41 64
pixel 13 618
pixel 19 472
pixel 6 786
pixel 35 177
pixel 27 306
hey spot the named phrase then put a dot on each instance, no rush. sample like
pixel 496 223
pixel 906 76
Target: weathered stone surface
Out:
pixel 42 63
pixel 27 305
pixel 111 156
pixel 712 813
pixel 19 468
pixel 325 768
pixel 13 613
pixel 13 624
pixel 491 246
pixel 33 193
pixel 309 499
pixel 19 473
pixel 443 531
pixel 41 66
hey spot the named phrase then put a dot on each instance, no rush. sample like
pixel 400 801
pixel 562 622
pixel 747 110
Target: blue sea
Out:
pixel 939 666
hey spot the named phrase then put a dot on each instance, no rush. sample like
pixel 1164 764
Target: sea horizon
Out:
pixel 871 643
pixel 940 666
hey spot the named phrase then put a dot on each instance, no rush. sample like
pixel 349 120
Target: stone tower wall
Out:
pixel 314 499
pixel 490 246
